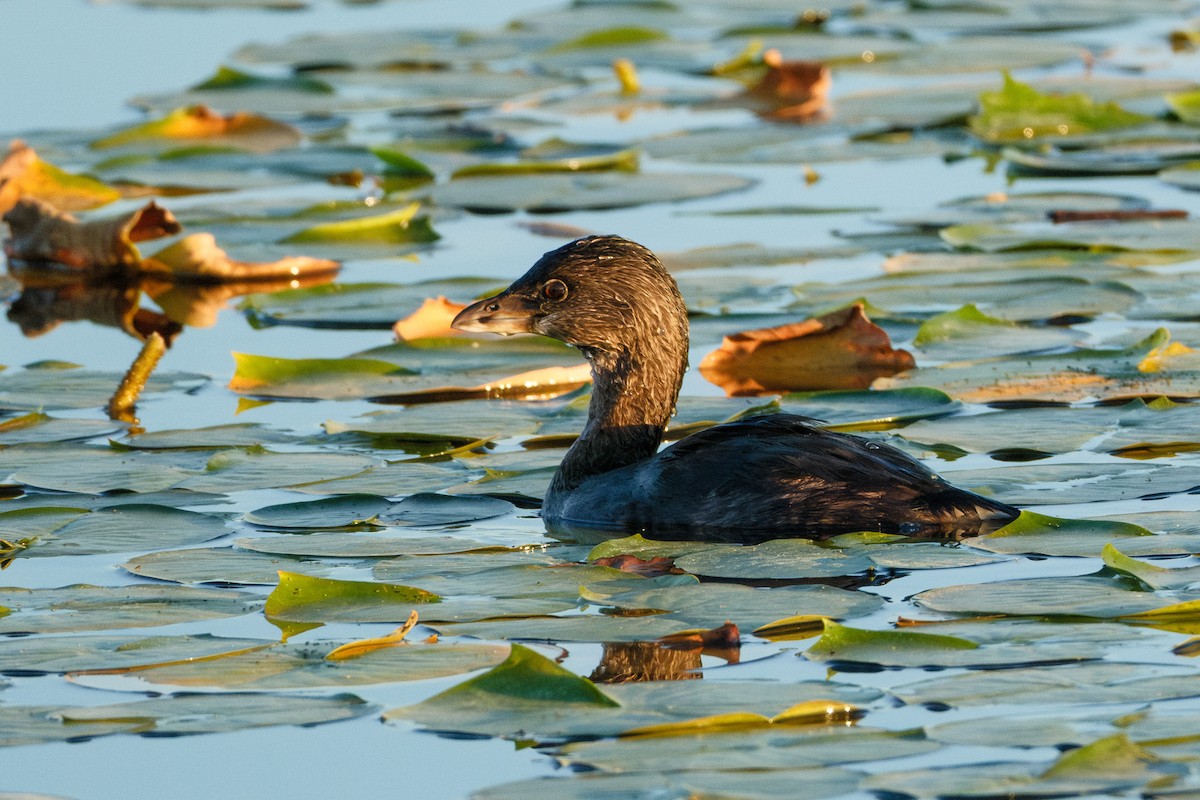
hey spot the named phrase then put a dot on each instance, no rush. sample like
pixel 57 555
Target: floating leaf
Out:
pixel 123 529
pixel 970 333
pixel 230 78
pixel 57 654
pixel 569 192
pixel 622 161
pixel 223 565
pixel 346 511
pixel 840 350
pixel 199 124
pixel 82 608
pixel 332 378
pixel 40 232
pixel 1152 575
pixel 1018 112
pixel 197 258
pixel 302 598
pixel 1041 597
pixel 400 163
pixel 402 226
pixel 779 559
pixel 24 174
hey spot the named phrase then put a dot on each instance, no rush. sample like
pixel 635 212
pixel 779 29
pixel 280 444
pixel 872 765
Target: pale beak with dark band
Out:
pixel 504 314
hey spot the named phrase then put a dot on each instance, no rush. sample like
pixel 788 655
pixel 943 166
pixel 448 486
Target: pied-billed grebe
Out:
pixel 765 477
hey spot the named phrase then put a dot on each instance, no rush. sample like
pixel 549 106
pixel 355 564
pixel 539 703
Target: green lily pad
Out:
pixel 1028 430
pixel 970 333
pixel 211 438
pixel 1041 597
pixel 239 470
pixel 83 608
pixel 798 783
pixel 1105 766
pixel 51 389
pixel 774 560
pixel 348 511
pixel 57 654
pixel 224 565
pixel 1152 575
pixel 1167 235
pixel 1018 112
pixel 738 753
pixel 345 545
pixel 709 605
pixel 1081 374
pixel 300 598
pixel 1034 533
pixel 600 190
pixel 123 529
pixel 305 666
pixel 1090 684
pixel 357 305
pixel 865 410
pixel 37 427
pixel 390 228
pixel 387 480
pixel 176 716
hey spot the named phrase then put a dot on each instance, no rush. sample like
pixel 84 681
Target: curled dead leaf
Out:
pixel 432 319
pixel 839 350
pixel 41 232
pixel 24 174
pixel 793 90
pixel 198 259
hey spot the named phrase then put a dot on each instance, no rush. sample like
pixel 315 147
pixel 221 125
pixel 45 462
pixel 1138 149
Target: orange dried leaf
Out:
pixel 40 232
pixel 839 350
pixel 198 259
pixel 24 174
pixel 432 319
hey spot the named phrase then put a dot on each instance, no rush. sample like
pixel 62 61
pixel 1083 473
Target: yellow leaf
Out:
pixel 1157 358
pixel 364 646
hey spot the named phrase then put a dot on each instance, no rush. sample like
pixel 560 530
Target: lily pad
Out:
pixel 224 565
pixel 122 529
pixel 83 608
pixel 558 192
pixel 305 666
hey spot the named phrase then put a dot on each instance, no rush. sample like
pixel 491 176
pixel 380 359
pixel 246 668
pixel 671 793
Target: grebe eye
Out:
pixel 554 290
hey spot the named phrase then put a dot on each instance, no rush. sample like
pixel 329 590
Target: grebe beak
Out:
pixel 504 313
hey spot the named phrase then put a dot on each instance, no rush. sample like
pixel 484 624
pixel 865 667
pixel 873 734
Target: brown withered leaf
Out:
pixel 432 319
pixel 41 232
pixel 24 174
pixel 839 350
pixel 792 90
pixel 198 259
